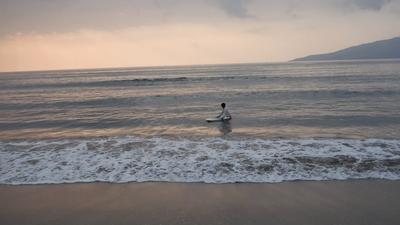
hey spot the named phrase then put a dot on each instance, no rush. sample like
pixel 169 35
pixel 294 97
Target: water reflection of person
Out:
pixel 225 127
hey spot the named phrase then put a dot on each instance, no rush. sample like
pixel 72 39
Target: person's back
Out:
pixel 225 115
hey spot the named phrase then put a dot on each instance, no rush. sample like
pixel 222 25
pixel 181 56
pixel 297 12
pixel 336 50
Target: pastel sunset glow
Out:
pixel 43 35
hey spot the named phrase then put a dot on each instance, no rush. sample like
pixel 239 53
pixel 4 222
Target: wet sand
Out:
pixel 369 202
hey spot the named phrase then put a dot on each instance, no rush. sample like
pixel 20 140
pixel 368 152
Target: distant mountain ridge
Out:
pixel 384 49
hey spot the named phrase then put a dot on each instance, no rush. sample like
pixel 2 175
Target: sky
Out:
pixel 71 34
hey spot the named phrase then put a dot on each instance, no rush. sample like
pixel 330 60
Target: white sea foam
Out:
pixel 210 160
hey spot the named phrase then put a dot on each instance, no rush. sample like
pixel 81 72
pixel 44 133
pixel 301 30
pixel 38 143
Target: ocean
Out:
pixel 291 121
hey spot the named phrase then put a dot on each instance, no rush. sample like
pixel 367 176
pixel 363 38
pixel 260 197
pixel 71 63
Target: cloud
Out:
pixel 374 5
pixel 51 34
pixel 41 16
pixel 235 8
pixel 46 16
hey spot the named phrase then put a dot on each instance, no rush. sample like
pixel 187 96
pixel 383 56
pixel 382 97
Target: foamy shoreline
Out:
pixel 209 160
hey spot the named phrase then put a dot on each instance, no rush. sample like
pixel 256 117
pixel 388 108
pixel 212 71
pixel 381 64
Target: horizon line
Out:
pixel 131 67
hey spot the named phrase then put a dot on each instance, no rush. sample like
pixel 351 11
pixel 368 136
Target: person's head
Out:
pixel 223 105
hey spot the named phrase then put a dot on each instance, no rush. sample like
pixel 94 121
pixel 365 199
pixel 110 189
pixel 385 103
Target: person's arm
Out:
pixel 220 115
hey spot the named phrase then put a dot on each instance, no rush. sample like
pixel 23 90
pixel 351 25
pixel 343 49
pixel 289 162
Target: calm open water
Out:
pixel 357 99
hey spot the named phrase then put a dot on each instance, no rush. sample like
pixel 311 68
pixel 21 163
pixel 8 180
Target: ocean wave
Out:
pixel 156 80
pixel 209 160
pixel 104 83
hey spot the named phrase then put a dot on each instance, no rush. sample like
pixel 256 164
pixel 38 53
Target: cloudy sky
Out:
pixel 63 34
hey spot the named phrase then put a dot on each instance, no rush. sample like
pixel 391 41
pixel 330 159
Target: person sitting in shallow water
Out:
pixel 225 115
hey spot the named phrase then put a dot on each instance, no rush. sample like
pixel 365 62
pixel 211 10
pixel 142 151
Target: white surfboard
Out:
pixel 214 119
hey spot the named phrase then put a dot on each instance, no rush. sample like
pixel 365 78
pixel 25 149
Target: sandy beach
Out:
pixel 366 202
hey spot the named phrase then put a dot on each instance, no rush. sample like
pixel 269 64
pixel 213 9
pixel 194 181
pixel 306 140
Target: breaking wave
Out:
pixel 209 160
pixel 152 81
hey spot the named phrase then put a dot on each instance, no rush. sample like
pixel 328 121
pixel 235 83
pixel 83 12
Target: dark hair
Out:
pixel 223 105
